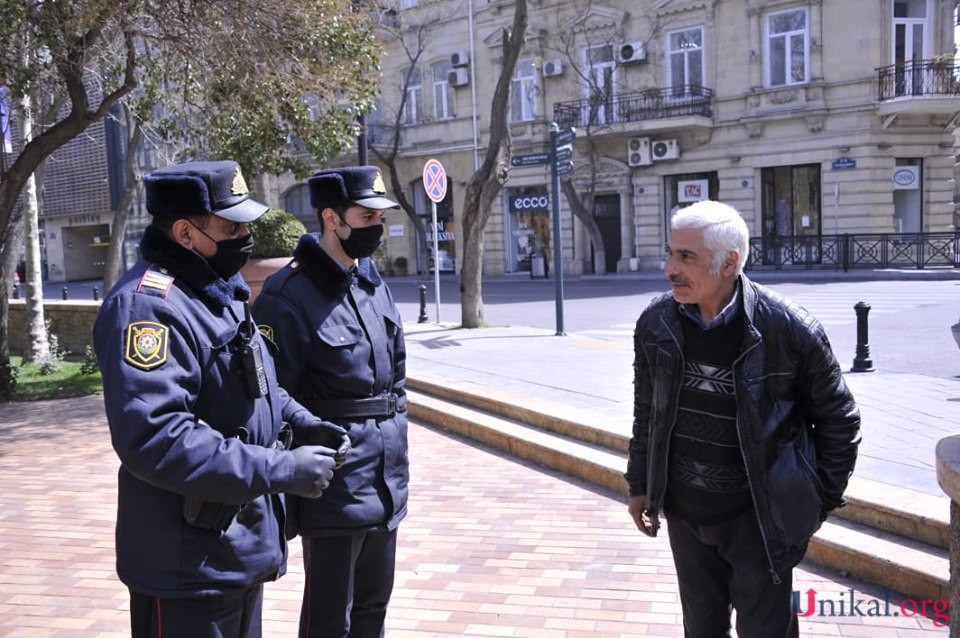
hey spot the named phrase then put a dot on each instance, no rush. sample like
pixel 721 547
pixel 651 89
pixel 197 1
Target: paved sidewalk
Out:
pixel 904 415
pixel 492 546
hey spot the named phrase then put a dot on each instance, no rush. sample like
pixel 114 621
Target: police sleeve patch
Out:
pixel 266 331
pixel 147 344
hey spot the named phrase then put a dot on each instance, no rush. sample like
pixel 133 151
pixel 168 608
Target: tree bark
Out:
pixel 485 184
pixel 590 224
pixel 118 231
pixel 37 346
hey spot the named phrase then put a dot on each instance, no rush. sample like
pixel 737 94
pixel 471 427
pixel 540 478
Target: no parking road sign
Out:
pixel 434 180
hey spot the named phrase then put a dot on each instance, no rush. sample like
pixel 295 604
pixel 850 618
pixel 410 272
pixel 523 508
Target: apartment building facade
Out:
pixel 814 118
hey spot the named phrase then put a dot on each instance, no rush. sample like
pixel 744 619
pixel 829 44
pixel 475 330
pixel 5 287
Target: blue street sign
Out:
pixel 845 162
pixel 566 136
pixel 563 153
pixel 565 167
pixel 435 180
pixel 533 159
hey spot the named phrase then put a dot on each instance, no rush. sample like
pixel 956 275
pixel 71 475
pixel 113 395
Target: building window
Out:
pixel 406 4
pixel 413 107
pixel 787 47
pixel 523 94
pixel 685 55
pixel 602 70
pixel 442 91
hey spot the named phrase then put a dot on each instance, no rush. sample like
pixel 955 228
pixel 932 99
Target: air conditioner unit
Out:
pixel 638 151
pixel 664 150
pixel 631 53
pixel 458 77
pixel 460 58
pixel 552 68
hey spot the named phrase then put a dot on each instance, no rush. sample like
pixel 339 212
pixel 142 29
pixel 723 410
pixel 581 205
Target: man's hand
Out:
pixel 637 506
pixel 312 470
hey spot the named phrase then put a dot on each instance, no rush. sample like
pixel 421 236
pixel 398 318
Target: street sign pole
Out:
pixel 435 184
pixel 557 246
pixel 436 258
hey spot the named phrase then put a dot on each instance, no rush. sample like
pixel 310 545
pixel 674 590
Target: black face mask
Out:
pixel 362 242
pixel 231 255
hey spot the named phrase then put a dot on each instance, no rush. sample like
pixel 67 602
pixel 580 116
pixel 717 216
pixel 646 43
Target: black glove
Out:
pixel 327 434
pixel 312 471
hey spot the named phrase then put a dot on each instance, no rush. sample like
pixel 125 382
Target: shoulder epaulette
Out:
pixel 276 282
pixel 156 281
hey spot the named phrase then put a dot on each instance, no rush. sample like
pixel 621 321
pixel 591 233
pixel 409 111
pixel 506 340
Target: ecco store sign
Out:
pixel 521 203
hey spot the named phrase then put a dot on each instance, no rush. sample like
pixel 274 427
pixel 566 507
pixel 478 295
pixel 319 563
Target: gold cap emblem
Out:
pixel 238 187
pixel 378 185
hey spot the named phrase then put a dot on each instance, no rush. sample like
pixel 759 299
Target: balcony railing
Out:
pixel 638 106
pixel 856 250
pixel 920 78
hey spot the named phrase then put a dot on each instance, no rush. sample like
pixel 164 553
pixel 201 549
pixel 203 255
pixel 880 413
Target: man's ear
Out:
pixel 731 262
pixel 181 232
pixel 329 219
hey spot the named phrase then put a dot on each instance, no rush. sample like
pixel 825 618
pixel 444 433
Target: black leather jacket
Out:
pixel 798 423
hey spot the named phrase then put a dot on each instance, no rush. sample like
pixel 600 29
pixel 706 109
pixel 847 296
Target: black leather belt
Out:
pixel 384 405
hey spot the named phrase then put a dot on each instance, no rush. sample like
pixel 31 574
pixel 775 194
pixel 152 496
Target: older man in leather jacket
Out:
pixel 744 433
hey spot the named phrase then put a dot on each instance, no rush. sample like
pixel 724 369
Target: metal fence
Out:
pixel 637 106
pixel 922 77
pixel 856 250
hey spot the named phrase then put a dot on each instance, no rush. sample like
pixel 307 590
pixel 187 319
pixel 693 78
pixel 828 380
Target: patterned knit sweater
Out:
pixel 707 480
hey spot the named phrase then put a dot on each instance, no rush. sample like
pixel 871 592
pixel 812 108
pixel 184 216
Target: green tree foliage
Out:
pixel 274 84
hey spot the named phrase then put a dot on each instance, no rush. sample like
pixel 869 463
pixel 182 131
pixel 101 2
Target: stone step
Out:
pixel 871 542
pixel 913 568
pixel 901 511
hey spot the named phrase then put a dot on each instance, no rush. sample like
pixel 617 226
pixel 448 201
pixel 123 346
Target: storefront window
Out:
pixel 446 230
pixel 529 225
pixel 683 190
pixel 791 213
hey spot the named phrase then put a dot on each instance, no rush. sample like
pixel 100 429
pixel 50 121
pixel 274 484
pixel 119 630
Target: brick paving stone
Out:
pixel 492 547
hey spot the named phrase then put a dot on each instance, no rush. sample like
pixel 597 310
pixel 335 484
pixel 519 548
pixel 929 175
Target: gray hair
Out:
pixel 724 230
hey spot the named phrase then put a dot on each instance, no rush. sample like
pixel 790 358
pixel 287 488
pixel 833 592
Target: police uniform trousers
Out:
pixel 355 572
pixel 231 616
pixel 724 566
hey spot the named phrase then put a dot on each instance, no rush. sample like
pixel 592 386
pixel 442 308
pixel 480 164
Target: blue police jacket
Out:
pixel 339 337
pixel 182 425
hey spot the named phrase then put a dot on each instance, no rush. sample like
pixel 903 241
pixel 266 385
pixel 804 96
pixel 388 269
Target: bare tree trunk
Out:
pixel 589 222
pixel 37 347
pixel 114 266
pixel 488 180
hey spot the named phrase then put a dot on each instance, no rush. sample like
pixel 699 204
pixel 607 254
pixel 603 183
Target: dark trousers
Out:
pixel 722 567
pixel 234 616
pixel 349 580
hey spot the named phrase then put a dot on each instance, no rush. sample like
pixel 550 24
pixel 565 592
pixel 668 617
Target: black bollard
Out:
pixel 96 293
pixel 64 293
pixel 862 361
pixel 16 291
pixel 423 304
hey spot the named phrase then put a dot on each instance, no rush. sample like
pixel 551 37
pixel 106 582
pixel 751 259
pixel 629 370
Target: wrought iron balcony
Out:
pixel 637 106
pixel 856 250
pixel 919 79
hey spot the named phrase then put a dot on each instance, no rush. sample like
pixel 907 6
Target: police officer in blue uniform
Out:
pixel 342 354
pixel 197 418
